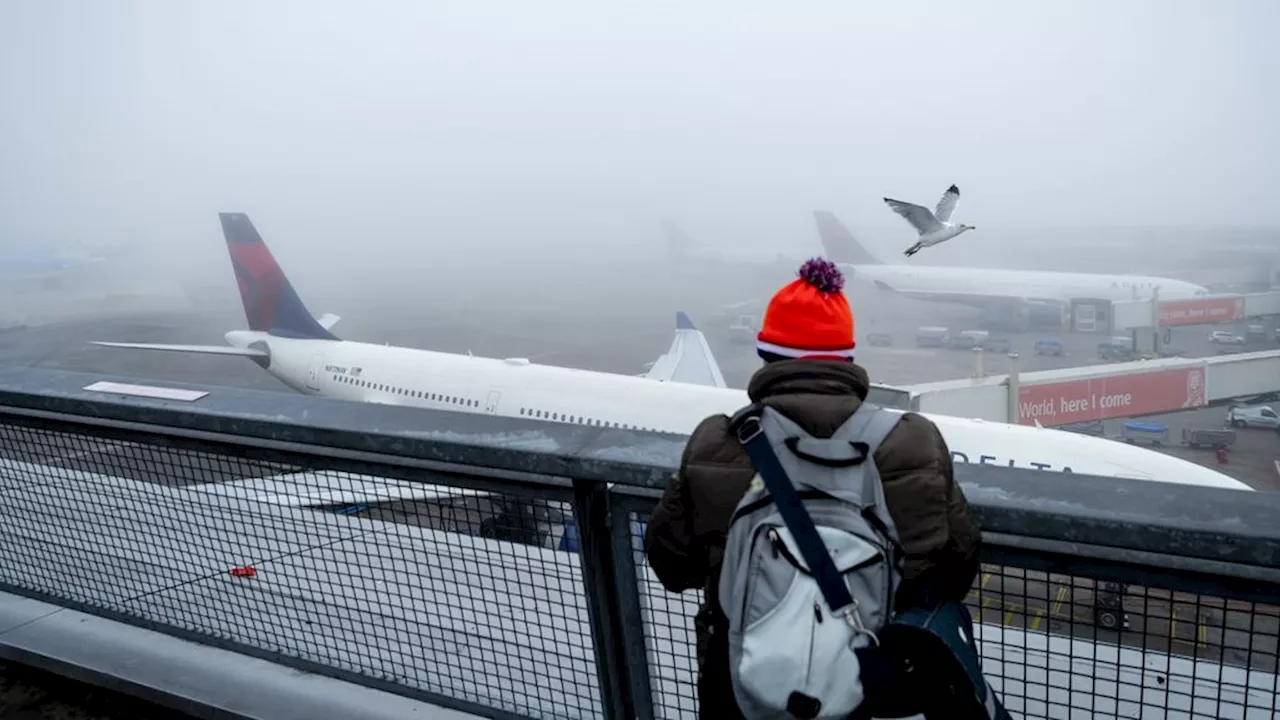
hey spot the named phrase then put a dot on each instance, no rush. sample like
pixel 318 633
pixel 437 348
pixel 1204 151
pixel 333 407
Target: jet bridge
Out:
pixel 1207 310
pixel 1100 392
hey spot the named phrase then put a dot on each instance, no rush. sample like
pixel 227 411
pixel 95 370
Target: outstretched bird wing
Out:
pixel 920 218
pixel 948 204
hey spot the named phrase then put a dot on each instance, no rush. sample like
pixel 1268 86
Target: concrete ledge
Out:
pixel 203 681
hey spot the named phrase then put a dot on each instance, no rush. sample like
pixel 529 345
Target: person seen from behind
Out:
pixel 810 377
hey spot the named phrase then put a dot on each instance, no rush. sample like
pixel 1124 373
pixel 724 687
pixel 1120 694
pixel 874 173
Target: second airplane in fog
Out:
pixel 988 288
pixel 683 387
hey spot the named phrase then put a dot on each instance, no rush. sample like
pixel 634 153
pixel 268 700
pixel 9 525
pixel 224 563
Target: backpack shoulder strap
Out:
pixel 836 452
pixel 865 430
pixel 869 424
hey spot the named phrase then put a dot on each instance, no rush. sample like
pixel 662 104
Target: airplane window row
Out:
pixel 577 419
pixel 434 397
pixel 468 402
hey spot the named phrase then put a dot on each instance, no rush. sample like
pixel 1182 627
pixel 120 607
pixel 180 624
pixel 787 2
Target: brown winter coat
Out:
pixel 685 538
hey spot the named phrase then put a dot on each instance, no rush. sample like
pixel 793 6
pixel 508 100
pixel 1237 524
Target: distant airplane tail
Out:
pixel 678 243
pixel 270 302
pixel 689 360
pixel 839 244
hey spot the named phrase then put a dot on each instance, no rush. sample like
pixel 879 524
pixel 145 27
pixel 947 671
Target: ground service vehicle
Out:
pixel 930 336
pixel 1049 347
pixel 1225 337
pixel 1263 417
pixel 998 345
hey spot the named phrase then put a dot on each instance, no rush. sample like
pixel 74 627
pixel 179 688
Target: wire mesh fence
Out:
pixel 1059 645
pixel 458 592
pixel 1056 646
pixel 479 594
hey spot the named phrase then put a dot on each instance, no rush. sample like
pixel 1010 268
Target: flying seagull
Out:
pixel 934 227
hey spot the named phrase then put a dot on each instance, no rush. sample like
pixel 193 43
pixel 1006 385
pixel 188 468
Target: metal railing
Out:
pixel 495 565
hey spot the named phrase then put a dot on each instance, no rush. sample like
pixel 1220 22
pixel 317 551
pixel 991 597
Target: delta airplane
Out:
pixel 680 389
pixel 986 288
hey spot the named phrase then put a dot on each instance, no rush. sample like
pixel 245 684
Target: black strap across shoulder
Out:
pixel 816 556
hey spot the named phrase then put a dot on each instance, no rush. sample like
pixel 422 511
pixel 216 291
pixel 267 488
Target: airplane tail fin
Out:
pixel 678 243
pixel 839 244
pixel 689 360
pixel 270 302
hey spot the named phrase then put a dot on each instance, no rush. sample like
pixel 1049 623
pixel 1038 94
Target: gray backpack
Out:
pixel 794 632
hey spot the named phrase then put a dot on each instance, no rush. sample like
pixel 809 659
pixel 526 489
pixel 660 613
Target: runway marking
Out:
pixel 1039 609
pixel 1199 636
pixel 1056 608
pixel 1039 616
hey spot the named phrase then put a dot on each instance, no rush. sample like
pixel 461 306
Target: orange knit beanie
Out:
pixel 809 317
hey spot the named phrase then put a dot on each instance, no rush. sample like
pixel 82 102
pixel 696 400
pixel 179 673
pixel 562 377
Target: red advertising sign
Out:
pixel 1201 311
pixel 1111 396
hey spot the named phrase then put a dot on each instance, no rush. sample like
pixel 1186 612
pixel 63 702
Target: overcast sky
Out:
pixel 438 125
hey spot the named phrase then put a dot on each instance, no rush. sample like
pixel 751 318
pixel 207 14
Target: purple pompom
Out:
pixel 822 274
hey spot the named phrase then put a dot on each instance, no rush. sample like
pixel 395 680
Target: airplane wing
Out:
pixel 948 204
pixel 197 349
pixel 328 320
pixel 689 360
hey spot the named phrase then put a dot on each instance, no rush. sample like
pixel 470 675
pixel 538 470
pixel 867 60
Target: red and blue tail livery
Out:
pixel 271 304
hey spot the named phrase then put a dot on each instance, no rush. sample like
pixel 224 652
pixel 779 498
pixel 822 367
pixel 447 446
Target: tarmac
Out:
pixel 630 326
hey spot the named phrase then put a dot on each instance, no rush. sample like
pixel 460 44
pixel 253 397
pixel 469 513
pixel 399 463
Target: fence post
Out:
pixel 595 550
pixel 630 615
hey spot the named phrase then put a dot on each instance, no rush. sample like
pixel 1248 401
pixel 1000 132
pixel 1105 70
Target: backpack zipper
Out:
pixel 781 546
pixel 771 532
pixel 813 634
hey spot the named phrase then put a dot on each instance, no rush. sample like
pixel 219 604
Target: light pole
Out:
pixel 1014 385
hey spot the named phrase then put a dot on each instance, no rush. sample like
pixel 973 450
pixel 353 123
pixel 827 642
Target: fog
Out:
pixel 438 140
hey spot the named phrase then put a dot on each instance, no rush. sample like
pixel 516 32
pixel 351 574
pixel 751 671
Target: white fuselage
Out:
pixel 516 388
pixel 982 285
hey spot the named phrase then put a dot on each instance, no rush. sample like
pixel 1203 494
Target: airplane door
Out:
pixel 491 402
pixel 1086 318
pixel 316 371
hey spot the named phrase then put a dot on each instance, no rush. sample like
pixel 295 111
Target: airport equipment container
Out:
pixel 1154 433
pixel 1208 437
